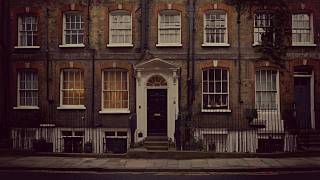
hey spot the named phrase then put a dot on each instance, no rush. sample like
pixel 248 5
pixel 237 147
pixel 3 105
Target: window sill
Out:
pixel 115 111
pixel 71 45
pixel 169 45
pixel 305 45
pixel 27 47
pixel 27 107
pixel 119 45
pixel 217 110
pixel 80 107
pixel 215 45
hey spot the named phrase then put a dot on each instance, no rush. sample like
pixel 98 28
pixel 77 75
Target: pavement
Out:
pixel 102 164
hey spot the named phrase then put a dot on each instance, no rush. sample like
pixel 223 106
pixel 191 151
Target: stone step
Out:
pixel 157 148
pixel 157 138
pixel 156 143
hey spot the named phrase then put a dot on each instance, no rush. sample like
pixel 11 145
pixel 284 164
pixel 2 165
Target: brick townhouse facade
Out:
pixel 85 72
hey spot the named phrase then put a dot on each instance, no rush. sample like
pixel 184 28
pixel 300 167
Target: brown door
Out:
pixel 157 112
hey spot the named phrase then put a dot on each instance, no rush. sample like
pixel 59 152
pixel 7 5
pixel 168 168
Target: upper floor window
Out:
pixel 262 23
pixel 27 89
pixel 266 89
pixel 169 28
pixel 73 27
pixel 115 90
pixel 120 29
pixel 27 31
pixel 302 29
pixel 72 88
pixel 215 28
pixel 215 89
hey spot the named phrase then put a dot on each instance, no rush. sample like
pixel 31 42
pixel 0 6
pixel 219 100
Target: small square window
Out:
pixel 66 133
pixel 122 133
pixel 110 133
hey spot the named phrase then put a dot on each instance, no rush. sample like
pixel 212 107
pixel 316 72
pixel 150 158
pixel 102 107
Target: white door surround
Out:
pixel 144 71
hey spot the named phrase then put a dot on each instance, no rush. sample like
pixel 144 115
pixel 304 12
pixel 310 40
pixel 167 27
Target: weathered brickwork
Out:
pixel 97 56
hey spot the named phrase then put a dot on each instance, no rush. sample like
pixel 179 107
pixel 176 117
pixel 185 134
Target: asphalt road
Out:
pixel 51 175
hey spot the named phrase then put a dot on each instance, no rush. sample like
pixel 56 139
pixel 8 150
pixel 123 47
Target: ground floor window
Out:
pixel 266 89
pixel 215 89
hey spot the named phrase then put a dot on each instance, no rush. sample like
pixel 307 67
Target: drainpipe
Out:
pixel 93 52
pixel 144 26
pixel 191 54
pixel 47 57
pixel 239 51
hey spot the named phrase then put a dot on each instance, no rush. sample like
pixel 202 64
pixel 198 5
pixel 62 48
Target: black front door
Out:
pixel 302 98
pixel 157 112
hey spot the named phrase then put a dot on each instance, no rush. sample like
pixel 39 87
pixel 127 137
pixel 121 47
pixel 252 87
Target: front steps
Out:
pixel 309 140
pixel 156 143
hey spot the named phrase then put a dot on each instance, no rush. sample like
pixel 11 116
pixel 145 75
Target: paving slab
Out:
pixel 164 165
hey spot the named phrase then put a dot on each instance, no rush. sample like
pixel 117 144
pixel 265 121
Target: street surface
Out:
pixel 56 175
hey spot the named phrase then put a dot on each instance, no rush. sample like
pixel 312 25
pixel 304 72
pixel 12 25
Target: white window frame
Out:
pixel 114 110
pixel 19 106
pixel 277 95
pixel 64 44
pixel 208 44
pixel 113 44
pixel 228 92
pixel 33 32
pixel 256 41
pixel 311 42
pixel 175 44
pixel 63 106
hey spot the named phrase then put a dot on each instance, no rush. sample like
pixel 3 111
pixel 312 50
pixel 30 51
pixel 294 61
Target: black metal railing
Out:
pixel 237 129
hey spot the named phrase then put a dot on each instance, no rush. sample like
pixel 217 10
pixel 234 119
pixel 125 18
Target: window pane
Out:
pixel 73 28
pixel 115 92
pixel 301 28
pixel 120 27
pixel 72 87
pixel 27 31
pixel 215 27
pixel 27 88
pixel 169 27
pixel 217 95
pixel 266 89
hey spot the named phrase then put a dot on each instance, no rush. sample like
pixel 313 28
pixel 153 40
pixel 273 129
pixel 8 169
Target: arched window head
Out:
pixel 156 80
